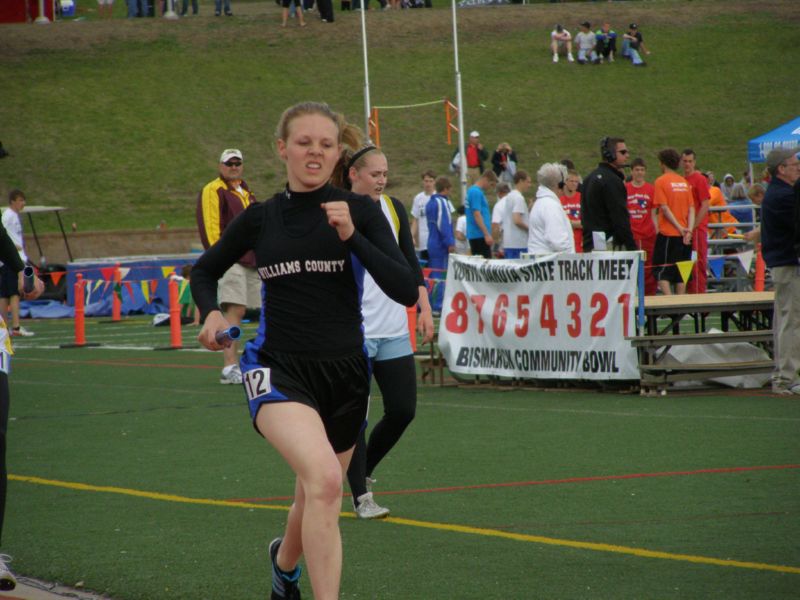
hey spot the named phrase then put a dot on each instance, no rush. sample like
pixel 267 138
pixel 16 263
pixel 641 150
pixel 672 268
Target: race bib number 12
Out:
pixel 256 383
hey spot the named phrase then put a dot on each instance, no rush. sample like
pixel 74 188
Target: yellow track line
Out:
pixel 518 537
pixel 140 494
pixel 537 539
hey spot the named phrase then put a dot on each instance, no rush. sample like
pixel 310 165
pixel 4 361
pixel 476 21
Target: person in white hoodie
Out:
pixel 549 229
pixel 727 186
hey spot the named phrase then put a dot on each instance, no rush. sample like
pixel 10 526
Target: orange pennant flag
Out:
pixel 56 276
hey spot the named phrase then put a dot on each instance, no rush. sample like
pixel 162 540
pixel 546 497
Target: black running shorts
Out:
pixel 337 388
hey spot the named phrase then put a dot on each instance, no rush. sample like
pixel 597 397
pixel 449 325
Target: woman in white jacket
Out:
pixel 549 229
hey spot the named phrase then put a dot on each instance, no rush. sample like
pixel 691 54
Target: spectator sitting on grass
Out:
pixel 561 43
pixel 586 42
pixel 606 42
pixel 633 46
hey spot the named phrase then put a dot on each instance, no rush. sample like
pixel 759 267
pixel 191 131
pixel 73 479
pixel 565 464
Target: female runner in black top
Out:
pixel 306 375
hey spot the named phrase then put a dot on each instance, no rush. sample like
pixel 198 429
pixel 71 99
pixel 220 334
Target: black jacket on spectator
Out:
pixel 604 207
pixel 498 164
pixel 797 217
pixel 778 226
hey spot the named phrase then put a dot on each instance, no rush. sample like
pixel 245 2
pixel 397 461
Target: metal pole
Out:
pixel 36 238
pixel 367 107
pixel 42 18
pixel 63 235
pixel 459 100
pixel 169 10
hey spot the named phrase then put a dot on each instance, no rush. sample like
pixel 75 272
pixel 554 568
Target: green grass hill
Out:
pixel 123 120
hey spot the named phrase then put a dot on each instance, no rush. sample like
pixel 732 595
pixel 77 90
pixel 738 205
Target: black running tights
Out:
pixel 397 380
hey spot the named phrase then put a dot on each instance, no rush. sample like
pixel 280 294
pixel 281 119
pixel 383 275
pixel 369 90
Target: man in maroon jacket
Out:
pixel 217 205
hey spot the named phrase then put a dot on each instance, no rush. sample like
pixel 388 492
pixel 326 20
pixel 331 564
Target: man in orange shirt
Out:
pixel 699 183
pixel 676 217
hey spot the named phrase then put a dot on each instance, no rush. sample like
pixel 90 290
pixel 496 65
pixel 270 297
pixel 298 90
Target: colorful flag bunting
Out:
pixel 716 265
pixel 685 269
pixel 56 276
pixel 746 258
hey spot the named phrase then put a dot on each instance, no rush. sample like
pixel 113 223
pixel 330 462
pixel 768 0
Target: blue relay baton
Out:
pixel 228 335
pixel 28 280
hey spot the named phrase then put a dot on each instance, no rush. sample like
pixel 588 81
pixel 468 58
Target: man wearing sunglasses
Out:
pixel 604 203
pixel 217 205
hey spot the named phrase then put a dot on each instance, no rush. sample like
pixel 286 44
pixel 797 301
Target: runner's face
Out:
pixel 370 178
pixel 310 151
pixel 428 184
pixel 638 173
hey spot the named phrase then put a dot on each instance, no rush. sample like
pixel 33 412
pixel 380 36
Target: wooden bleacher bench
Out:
pixel 657 376
pixel 660 376
pixel 652 342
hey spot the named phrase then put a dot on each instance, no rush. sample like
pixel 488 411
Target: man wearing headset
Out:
pixel 604 203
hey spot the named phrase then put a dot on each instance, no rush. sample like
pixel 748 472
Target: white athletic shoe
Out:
pixel 230 375
pixel 790 391
pixel 555 57
pixel 7 580
pixel 367 508
pixel 22 332
pixel 570 58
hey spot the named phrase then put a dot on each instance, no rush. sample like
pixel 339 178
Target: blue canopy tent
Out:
pixel 785 136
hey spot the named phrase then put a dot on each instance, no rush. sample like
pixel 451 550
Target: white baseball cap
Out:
pixel 474 134
pixel 230 153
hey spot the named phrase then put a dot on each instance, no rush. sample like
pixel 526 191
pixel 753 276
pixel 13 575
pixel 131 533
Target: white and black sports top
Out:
pixel 312 280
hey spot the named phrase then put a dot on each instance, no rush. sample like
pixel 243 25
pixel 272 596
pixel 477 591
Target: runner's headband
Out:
pixel 359 154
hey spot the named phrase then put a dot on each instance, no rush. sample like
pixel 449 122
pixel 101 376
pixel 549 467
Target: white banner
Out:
pixel 559 316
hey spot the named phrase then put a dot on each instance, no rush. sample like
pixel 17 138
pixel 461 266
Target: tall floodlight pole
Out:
pixel 459 100
pixel 170 13
pixel 367 107
pixel 42 18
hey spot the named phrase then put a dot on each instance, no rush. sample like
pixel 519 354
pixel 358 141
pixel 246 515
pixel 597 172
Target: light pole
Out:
pixel 367 106
pixel 42 18
pixel 169 12
pixel 461 153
